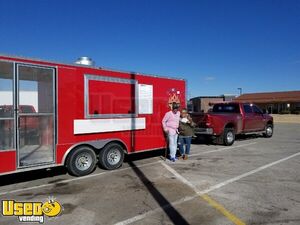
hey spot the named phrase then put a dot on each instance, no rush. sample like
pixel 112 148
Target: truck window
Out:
pixel 247 108
pixel 27 109
pixel 256 109
pixel 226 108
pixel 6 111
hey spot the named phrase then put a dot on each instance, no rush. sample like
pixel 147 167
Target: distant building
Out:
pixel 274 102
pixel 204 103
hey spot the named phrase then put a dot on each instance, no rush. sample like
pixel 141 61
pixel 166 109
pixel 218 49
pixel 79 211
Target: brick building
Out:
pixel 274 102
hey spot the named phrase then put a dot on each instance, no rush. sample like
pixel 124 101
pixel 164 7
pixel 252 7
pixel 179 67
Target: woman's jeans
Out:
pixel 173 144
pixel 184 141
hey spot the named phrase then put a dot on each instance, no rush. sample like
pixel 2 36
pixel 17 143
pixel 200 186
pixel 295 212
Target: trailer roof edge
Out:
pixel 93 67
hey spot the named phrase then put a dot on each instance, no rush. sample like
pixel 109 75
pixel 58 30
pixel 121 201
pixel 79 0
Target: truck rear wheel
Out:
pixel 268 131
pixel 228 136
pixel 81 161
pixel 111 156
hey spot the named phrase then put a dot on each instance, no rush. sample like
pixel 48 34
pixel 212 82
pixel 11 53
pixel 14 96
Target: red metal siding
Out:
pixel 71 106
pixel 8 161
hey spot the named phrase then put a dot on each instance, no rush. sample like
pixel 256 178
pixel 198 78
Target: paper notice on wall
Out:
pixel 145 99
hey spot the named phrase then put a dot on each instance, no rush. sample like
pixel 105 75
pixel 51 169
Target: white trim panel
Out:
pixel 89 126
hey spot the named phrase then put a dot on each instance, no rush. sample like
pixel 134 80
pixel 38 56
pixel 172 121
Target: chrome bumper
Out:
pixel 208 131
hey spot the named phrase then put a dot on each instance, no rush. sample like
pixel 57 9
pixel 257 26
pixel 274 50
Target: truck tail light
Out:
pixel 208 120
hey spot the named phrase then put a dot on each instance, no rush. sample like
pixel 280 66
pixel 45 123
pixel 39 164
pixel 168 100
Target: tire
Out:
pixel 111 156
pixel 81 161
pixel 269 131
pixel 228 136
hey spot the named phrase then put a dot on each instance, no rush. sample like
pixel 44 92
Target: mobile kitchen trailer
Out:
pixel 76 115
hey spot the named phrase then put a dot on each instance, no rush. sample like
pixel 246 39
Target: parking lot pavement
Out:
pixel 255 181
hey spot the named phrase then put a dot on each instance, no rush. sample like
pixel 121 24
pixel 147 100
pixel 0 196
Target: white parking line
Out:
pixel 157 210
pixel 225 212
pixel 198 192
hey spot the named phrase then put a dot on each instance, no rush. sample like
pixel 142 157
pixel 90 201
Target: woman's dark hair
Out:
pixel 175 105
pixel 184 110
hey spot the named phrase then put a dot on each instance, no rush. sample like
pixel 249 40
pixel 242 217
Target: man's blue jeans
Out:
pixel 184 141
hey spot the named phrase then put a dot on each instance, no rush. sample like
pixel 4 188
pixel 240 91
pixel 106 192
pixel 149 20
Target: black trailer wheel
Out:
pixel 111 156
pixel 81 161
pixel 228 136
pixel 268 131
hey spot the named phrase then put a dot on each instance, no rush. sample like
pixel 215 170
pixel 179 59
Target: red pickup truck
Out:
pixel 28 123
pixel 229 119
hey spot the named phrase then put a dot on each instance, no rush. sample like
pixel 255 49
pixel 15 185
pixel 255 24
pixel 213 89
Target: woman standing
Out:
pixel 170 125
pixel 186 132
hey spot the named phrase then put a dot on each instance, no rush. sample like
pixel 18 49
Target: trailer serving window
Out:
pixel 110 97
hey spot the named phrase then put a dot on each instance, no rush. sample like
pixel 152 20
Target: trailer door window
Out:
pixel 6 106
pixel 107 96
pixel 35 102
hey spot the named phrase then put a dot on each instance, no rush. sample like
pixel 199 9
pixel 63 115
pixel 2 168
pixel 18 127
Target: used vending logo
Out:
pixel 31 211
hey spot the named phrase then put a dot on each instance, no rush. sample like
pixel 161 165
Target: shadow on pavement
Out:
pixel 144 155
pixel 166 206
pixel 31 175
pixel 57 171
pixel 207 140
pixel 244 137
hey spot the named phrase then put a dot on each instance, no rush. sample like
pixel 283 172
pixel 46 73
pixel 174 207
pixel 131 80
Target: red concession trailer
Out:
pixel 78 115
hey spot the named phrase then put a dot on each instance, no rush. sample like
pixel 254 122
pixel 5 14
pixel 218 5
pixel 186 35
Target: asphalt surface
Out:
pixel 255 181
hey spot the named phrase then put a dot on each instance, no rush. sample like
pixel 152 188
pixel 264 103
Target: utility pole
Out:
pixel 240 90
